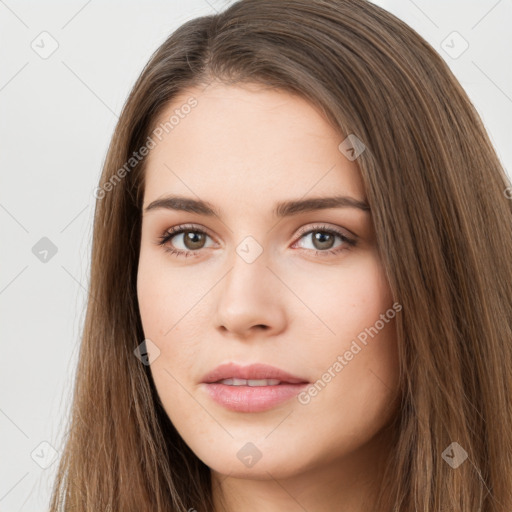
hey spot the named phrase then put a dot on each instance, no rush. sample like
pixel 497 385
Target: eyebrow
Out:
pixel 281 209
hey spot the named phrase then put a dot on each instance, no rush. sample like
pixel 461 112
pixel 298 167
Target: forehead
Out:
pixel 246 143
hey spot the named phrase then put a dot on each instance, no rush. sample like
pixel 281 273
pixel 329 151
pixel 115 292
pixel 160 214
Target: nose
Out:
pixel 250 300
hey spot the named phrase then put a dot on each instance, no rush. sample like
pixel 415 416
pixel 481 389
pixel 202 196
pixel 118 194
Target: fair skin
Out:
pixel 243 149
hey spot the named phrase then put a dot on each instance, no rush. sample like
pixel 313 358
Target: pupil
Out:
pixel 320 237
pixel 191 237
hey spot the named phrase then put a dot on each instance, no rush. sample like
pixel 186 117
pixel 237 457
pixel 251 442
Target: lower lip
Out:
pixel 252 398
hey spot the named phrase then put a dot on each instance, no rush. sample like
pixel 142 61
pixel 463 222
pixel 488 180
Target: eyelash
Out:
pixel 171 233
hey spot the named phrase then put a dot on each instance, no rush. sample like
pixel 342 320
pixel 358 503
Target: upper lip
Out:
pixel 253 372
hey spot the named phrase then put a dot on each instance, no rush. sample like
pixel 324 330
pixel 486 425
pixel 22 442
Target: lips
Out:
pixel 253 372
pixel 253 388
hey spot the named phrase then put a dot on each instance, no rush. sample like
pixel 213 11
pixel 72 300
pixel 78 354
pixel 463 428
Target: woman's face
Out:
pixel 264 281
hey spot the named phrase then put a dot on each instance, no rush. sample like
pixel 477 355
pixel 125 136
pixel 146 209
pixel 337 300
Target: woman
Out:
pixel 301 285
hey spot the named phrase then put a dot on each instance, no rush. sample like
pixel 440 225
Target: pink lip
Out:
pixel 253 371
pixel 251 398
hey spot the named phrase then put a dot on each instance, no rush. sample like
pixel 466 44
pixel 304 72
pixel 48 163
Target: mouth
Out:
pixel 250 382
pixel 253 388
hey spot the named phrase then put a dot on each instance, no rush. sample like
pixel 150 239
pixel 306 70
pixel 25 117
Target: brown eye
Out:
pixel 183 241
pixel 193 240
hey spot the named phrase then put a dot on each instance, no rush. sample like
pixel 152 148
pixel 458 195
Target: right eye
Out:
pixel 192 240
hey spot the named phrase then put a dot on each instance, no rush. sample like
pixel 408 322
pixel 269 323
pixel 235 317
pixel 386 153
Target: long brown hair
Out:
pixel 442 218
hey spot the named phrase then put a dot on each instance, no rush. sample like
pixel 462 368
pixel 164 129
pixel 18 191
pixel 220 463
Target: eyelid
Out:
pixel 302 231
pixel 324 226
pixel 189 227
pixel 179 229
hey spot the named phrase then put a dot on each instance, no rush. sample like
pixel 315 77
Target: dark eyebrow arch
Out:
pixel 282 209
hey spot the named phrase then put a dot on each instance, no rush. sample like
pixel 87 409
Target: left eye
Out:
pixel 323 239
pixel 194 239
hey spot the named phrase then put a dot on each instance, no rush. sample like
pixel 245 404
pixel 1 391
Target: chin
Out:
pixel 254 460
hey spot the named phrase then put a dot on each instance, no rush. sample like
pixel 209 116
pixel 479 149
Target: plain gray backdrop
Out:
pixel 66 71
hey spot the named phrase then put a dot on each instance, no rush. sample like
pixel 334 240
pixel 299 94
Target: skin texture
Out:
pixel 243 148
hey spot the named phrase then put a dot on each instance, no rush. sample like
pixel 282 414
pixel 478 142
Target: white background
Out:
pixel 57 116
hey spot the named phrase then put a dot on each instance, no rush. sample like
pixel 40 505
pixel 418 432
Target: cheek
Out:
pixel 355 361
pixel 164 295
pixel 346 299
pixel 172 316
pixel 163 311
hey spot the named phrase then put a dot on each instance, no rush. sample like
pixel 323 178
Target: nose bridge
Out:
pixel 250 250
pixel 248 266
